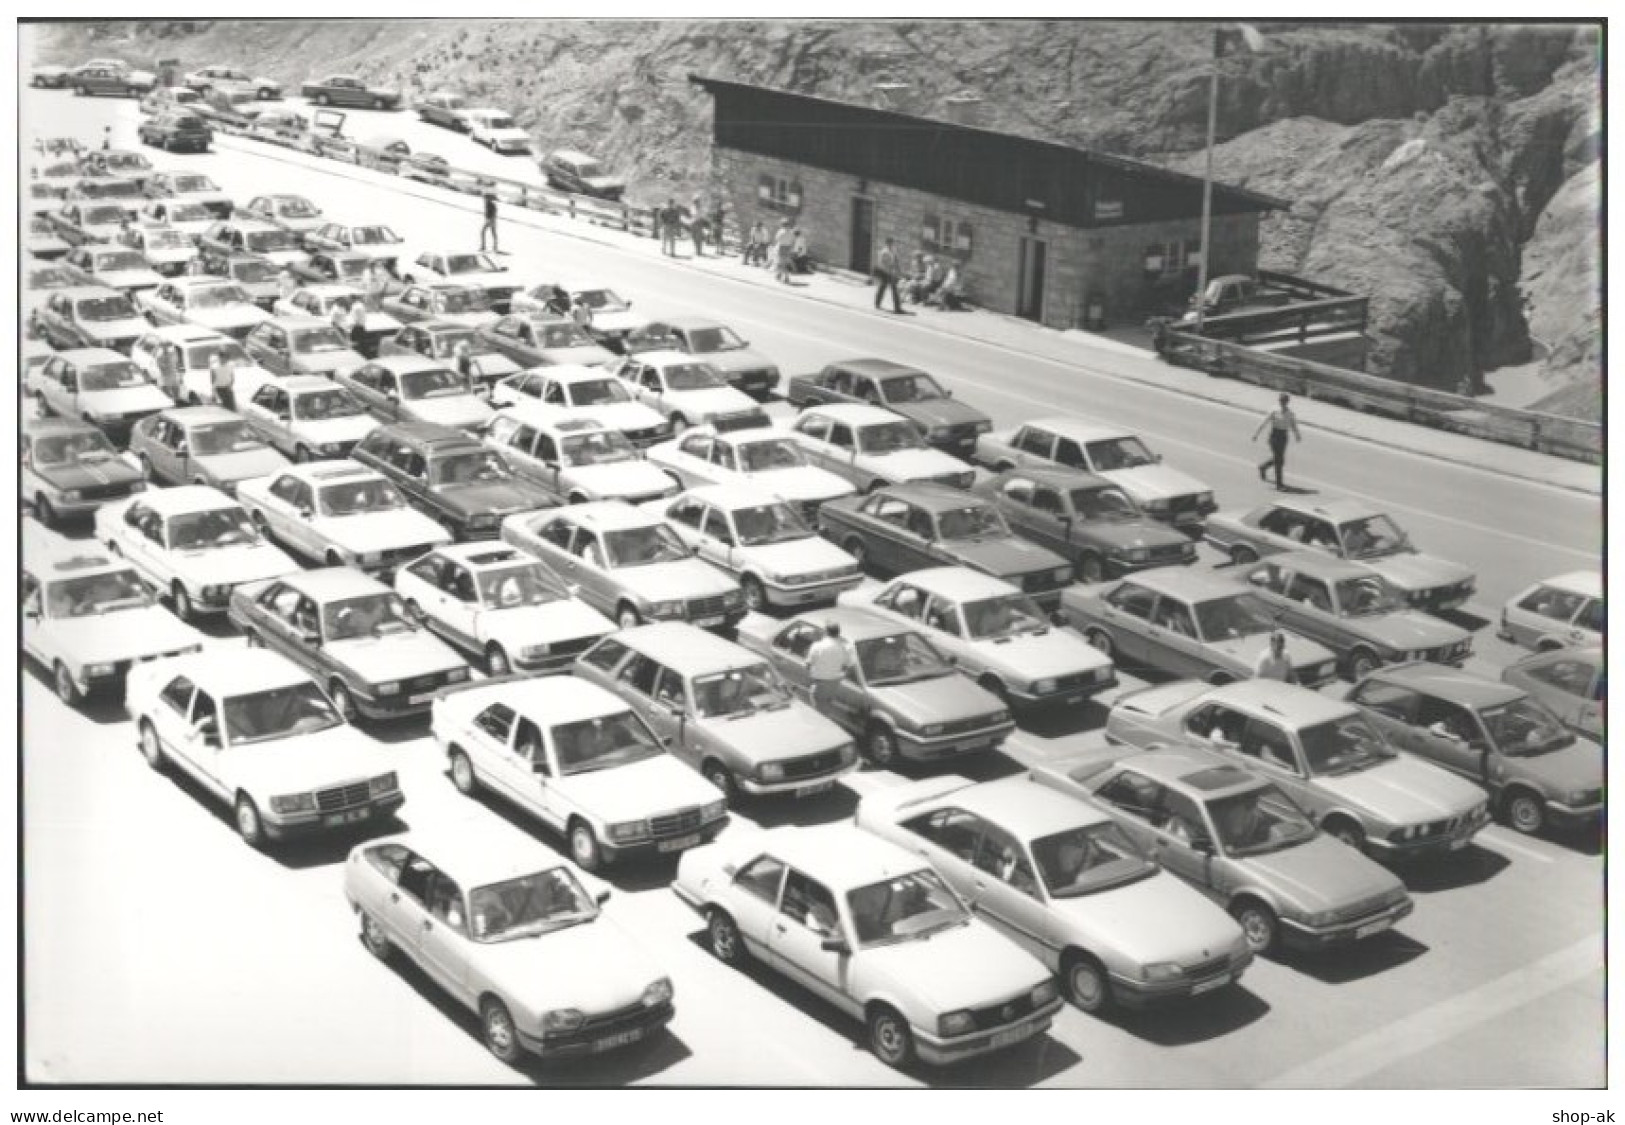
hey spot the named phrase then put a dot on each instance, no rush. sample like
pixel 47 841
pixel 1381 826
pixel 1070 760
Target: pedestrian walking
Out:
pixel 169 372
pixel 1273 664
pixel 886 277
pixel 1281 423
pixel 489 227
pixel 465 363
pixel 756 245
pixel 719 211
pixel 671 221
pixel 698 230
pixel 107 138
pixel 781 252
pixel 827 662
pixel 223 379
pixel 800 261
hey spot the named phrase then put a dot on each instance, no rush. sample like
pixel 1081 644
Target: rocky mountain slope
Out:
pixel 1448 171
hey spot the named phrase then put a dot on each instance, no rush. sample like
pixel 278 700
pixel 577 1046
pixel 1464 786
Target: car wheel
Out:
pixel 1344 829
pixel 860 554
pixel 584 847
pixel 577 498
pixel 81 91
pixel 627 616
pixel 193 399
pixel 1361 663
pixel 372 936
pixel 1101 640
pixel 726 942
pixel 874 486
pixel 462 774
pixel 890 1038
pixel 1091 569
pixel 718 774
pixel 62 679
pixel 880 746
pixel 44 512
pixel 1219 679
pixel 1086 982
pixel 247 819
pixel 321 99
pixel 1241 554
pixel 1257 923
pixel 496 661
pixel 301 454
pixel 1525 811
pixel 267 94
pixel 501 1037
pixel 343 701
pixel 378 103
pixel 755 596
pixel 257 518
pixel 183 602
pixel 151 749
pixel 331 558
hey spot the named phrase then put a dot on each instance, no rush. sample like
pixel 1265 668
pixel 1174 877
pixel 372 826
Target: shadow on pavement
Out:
pixel 1195 1021
pixel 1466 868
pixel 840 803
pixel 1460 617
pixel 1058 722
pixel 1363 959
pixel 102 709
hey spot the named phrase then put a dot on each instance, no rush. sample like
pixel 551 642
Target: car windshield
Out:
pixel 279 713
pixel 910 388
pixel 971 522
pixel 902 658
pixel 60 449
pixel 319 406
pixel 739 691
pixel 641 546
pixel 1004 616
pixel 1371 537
pixel 603 447
pixel 693 377
pixel 769 523
pixel 110 376
pixel 192 184
pixel 591 392
pixel 461 301
pixel 1344 745
pixel 890 437
pixel 224 437
pixel 1230 618
pixel 379 235
pixel 909 907
pixel 1368 596
pixel 1108 504
pixel 208 530
pixel 516 586
pixel 529 906
pixel 1259 821
pixel 766 456
pixel 443 345
pixel 602 743
pixel 1119 453
pixel 1524 727
pixel 252 273
pixel 197 356
pixel 470 263
pixel 105 308
pixel 468 468
pixel 356 498
pixel 499 121
pixel 268 241
pixel 348 267
pixel 1088 859
pixel 563 336
pixel 295 207
pixel 120 260
pixel 589 168
pixel 435 382
pixel 370 615
pixel 655 339
pixel 168 240
pixel 96 593
pixel 597 299
pixel 217 296
pixel 311 341
pixel 702 341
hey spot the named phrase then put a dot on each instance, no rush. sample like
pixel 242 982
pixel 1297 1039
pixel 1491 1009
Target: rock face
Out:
pixel 1447 171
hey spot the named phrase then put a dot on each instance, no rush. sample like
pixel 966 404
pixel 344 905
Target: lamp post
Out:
pixel 1207 180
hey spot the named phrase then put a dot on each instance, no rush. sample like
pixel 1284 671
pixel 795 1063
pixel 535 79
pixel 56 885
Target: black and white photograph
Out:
pixel 829 552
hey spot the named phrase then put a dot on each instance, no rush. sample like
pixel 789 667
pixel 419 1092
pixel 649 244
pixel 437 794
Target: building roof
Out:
pixel 687 649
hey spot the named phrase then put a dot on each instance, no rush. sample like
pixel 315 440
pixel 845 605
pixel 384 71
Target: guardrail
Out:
pixel 1372 394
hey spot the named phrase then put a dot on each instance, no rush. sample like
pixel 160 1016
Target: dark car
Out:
pixel 176 132
pixel 116 81
pixel 69 467
pixel 255 274
pixel 346 89
pixel 450 477
pixel 581 174
pixel 908 527
pixel 908 391
pixel 1088 519
pixel 438 340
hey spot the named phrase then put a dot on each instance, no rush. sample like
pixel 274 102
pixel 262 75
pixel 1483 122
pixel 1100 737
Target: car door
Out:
pixel 269 414
pixel 296 506
pixel 144 546
pixel 1450 735
pixel 812 433
pixel 283 623
pixel 171 720
pixel 808 914
pixel 716 542
pixel 637 681
pixel 1172 640
pixel 1268 748
pixel 752 899
pixel 1146 807
pixel 1575 690
pixel 1017 499
pixel 201 745
pixel 592 572
pixel 1005 890
pixel 442 937
pixel 169 451
pixel 686 516
pixel 881 525
pixel 459 603
pixel 489 737
pixel 1126 613
pixel 790 647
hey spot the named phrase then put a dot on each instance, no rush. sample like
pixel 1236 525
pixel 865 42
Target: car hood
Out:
pixel 655 785
pixel 1245 651
pixel 1131 533
pixel 507 135
pixel 381 531
pixel 497 497
pixel 1157 918
pixel 801 483
pixel 169 254
pixel 602 182
pixel 594 967
pixel 324 430
pixel 490 365
pixel 711 400
pixel 553 623
pixel 968 966
pixel 125 328
pixel 621 478
pixel 124 635
pixel 457 411
pixel 938 412
pixel 798 556
pixel 617 320
pixel 915 464
pixel 125 400
pixel 283 257
pixel 1404 791
pixel 945 699
pixel 304 762
pixel 397 656
pixel 325 363
pixel 141 278
pixel 1576 766
pixel 1321 874
pixel 1154 481
pixel 243 465
pixel 587 355
pixel 231 566
pixel 1002 555
pixel 740 359
pixel 474 319
pixel 1055 652
pixel 772 736
pixel 1408 629
pixel 380 322
pixel 667 581
pixel 91 473
pixel 1419 572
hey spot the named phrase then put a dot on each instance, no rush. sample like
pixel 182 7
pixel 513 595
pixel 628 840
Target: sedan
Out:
pixel 201 445
pixel 466 305
pixel 301 345
pixel 116 267
pixel 375 241
pixel 444 109
pixel 192 219
pixel 253 236
pixel 41 240
pixel 440 339
pixel 590 393
pixel 342 266
pixel 204 77
pixel 764 458
pixel 290 212
pixel 190 187
pixel 307 417
pixel 166 249
pixel 410 389
pixel 347 90
pixel 687 391
pixel 575 459
pixel 948 425
pixel 339 513
pixel 496 130
pixel 209 302
pixel 99 386
pixel 532 341
pixel 716 343
pixel 68 467
pixel 1572 682
pixel 474 267
pixel 78 223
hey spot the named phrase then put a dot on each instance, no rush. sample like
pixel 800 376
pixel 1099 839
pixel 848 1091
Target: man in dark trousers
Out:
pixel 886 277
pixel 490 226
pixel 1282 424
pixel 671 224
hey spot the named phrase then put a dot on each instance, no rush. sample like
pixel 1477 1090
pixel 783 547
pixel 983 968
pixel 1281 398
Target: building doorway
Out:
pixel 863 234
pixel 1030 280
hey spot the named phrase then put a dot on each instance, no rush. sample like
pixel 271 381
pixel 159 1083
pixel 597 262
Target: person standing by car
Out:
pixel 285 284
pixel 1281 423
pixel 465 362
pixel 580 312
pixel 886 277
pixel 1273 663
pixel 698 230
pixel 223 379
pixel 169 371
pixel 719 211
pixel 490 225
pixel 356 321
pixel 827 662
pixel 377 286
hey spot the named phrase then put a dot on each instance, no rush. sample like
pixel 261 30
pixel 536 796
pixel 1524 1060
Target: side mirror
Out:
pixel 32 612
pixel 601 897
pixel 310 636
pixel 730 869
pixel 836 944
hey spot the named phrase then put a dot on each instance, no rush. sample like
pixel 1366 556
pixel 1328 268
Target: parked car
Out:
pixel 206 445
pixel 166 249
pixel 444 109
pixel 763 458
pixel 723 348
pixel 1118 455
pixel 213 303
pixel 534 341
pixel 77 223
pixel 1493 734
pixel 339 513
pixel 575 459
pixel 1086 518
pixel 258 276
pixel 90 316
pixel 41 240
pixel 101 185
pixel 87 619
pixel 439 339
pixel 290 212
pixel 474 267
pixel 254 236
pixel 190 187
pixel 426 167
pixel 189 218
pixel 100 387
pixel 307 417
pixel 68 468
pixel 48 77
pixel 580 174
pixel 1571 682
pixel 1189 624
pixel 850 917
pixel 279 126
pixel 906 527
pixel 166 98
pixel 301 345
pixel 117 82
pixel 450 477
pixel 1349 529
pixel 572 391
pixel 319 300
pixel 330 266
pixel 778 559
pixel 196 346
pixel 611 316
pixel 1561 612
pixel 497 131
pixel 453 302
pixel 1322 752
pixel 946 424
pixel 499 606
pixel 39 280
pixel 1353 611
pixel 376 241
pixel 411 389
pixel 901 697
pixel 512 935
pixel 251 728
pixel 116 267
pixel 266 89
pixel 347 90
pixel 176 131
pixel 687 391
pixel 1239 839
pixel 995 633
pixel 871 448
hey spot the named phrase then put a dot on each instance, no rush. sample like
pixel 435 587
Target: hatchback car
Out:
pixel 1572 682
pixel 201 445
pixel 290 212
pixel 413 389
pixel 348 90
pixel 568 170
pixel 91 316
pixel 871 448
pixel 208 302
pixel 339 513
pixel 176 130
pixel 248 235
pixel 117 267
pixel 742 365
pixel 301 345
pixel 575 459
pixel 1561 612
pixel 450 301
pixel 167 249
pixel 949 425
pixel 442 108
pixel 100 387
pixel 77 222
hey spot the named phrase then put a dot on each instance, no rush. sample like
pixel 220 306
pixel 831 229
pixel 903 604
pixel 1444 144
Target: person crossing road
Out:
pixel 1282 424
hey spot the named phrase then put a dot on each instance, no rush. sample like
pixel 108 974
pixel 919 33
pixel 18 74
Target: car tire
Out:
pixel 414 611
pixel 320 99
pixel 266 94
pixel 627 616
pixel 1257 923
pixel 678 424
pixel 497 662
pixel 152 750
pixel 80 91
pixel 1361 663
pixel 1087 984
pixel 890 1038
pixel 378 103
pixel 62 681
pixel 257 518
pixel 247 819
pixel 498 1030
pixel 860 554
pixel 462 773
pixel 1102 641
pixel 343 701
pixel 1524 811
pixel 44 512
pixel 1091 568
pixel 584 847
pixel 880 746
pixel 1346 830
pixel 755 596
pixel 372 936
pixel 577 498
pixel 722 933
pixel 874 486
pixel 1241 554
pixel 1219 679
pixel 720 776
pixel 331 558
pixel 184 609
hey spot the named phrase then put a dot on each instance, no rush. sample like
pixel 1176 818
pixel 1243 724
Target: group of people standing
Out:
pixel 785 251
pixel 702 224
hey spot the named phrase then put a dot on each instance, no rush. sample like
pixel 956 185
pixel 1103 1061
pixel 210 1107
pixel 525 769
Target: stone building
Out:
pixel 1060 235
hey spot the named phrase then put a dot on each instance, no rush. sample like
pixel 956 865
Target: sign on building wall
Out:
pixel 1108 208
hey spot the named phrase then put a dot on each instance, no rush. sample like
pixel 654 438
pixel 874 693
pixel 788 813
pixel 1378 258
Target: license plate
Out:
pixel 678 844
pixel 421 698
pixel 814 790
pixel 707 622
pixel 1011 1035
pixel 618 1040
pixel 1373 928
pixel 1210 985
pixel 351 817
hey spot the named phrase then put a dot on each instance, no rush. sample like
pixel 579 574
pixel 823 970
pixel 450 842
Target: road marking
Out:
pixel 1370 1054
pixel 1500 838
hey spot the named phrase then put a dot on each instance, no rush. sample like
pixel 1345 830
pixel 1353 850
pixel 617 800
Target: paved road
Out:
pixel 160 949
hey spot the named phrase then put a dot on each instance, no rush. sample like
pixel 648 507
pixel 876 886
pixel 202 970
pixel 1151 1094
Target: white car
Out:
pixel 191 187
pixel 291 212
pixel 469 267
pixel 215 303
pixel 496 130
pixel 168 249
pixel 573 391
pixel 577 758
pixel 87 619
pixel 766 459
pixel 996 633
pixel 872 447
pixel 191 542
pixel 780 562
pixel 1562 612
pixel 320 300
pixel 874 931
pixel 510 933
pixel 688 391
pixel 307 417
pixel 117 267
pixel 612 315
pixel 196 346
pixel 339 513
pixel 101 386
pixel 374 241
pixel 574 459
pixel 499 606
pixel 189 216
pixel 258 735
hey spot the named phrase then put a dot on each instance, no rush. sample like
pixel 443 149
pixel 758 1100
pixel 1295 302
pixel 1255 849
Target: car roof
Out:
pixel 1057 476
pixel 331 472
pixel 934 497
pixel 190 333
pixel 1175 767
pixel 689 323
pixel 441 325
pixel 334 582
pixel 1587 582
pixel 246 223
pixel 1450 684
pixel 1079 429
pixel 957 583
pixel 296 383
pixel 1019 804
pixel 225 672
pixel 1296 705
pixel 731 496
pixel 300 322
pixel 183 498
pixel 568 373
pixel 1589 654
pixel 428 433
pixel 842 856
pixel 200 415
pixel 84 292
pixel 52 556
pixel 476 853
pixel 545 416
pixel 330 289
pixel 875 368
pixel 86 356
pixel 856 624
pixel 1320 565
pixel 549 700
pixel 1336 509
pixel 1186 584
pixel 38 427
pixel 604 515
pixel 406 364
pixel 572 154
pixel 484 556
pixel 686 648
pixel 665 356
pixel 855 414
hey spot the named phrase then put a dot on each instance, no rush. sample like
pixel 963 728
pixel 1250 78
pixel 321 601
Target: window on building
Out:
pixel 939 235
pixel 1163 259
pixel 779 193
